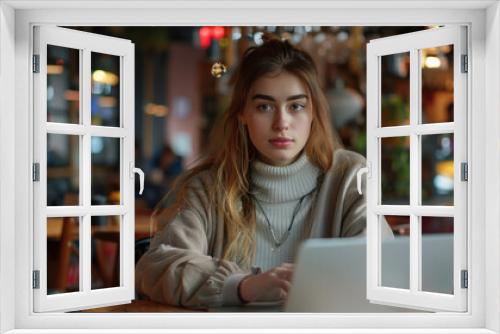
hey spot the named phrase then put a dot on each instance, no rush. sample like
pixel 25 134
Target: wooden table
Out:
pixel 153 307
pixel 141 306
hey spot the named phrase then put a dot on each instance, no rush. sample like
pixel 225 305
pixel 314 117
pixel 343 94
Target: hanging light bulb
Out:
pixel 218 69
pixel 257 37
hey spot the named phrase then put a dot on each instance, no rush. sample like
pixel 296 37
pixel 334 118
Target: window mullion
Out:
pixel 415 240
pixel 79 211
pixel 85 254
pixel 422 210
pixel 420 129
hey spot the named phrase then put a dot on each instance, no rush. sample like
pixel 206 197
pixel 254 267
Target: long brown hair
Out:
pixel 229 157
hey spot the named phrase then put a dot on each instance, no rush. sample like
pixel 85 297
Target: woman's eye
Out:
pixel 297 107
pixel 264 107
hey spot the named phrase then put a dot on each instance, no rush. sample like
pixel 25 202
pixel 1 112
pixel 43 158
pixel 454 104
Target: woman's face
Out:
pixel 278 115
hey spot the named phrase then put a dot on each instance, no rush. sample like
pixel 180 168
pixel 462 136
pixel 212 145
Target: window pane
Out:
pixel 63 264
pixel 437 169
pixel 437 254
pixel 437 84
pixel 395 255
pixel 395 81
pixel 105 89
pixel 105 252
pixel 63 84
pixel 105 170
pixel 63 169
pixel 395 170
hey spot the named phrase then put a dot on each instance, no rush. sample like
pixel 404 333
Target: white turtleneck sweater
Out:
pixel 278 190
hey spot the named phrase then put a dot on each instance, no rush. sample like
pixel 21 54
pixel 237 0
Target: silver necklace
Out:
pixel 277 242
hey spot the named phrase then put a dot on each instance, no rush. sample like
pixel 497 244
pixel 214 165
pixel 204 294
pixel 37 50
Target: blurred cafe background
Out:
pixel 178 97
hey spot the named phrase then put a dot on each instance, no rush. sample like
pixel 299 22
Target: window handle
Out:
pixel 133 171
pixel 361 171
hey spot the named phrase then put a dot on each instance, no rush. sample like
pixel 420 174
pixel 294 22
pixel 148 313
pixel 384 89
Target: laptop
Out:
pixel 330 274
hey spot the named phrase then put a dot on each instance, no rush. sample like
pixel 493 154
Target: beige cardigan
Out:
pixel 183 265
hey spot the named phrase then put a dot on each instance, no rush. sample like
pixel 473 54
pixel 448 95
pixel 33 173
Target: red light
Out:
pixel 205 32
pixel 217 32
pixel 205 37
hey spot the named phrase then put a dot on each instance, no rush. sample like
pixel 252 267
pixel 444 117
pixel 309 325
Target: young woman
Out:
pixel 274 178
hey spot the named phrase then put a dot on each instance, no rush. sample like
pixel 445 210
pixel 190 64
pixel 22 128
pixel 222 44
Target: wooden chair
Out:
pixel 66 248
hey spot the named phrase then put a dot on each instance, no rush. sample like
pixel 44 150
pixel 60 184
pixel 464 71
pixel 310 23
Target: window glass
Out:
pixel 395 81
pixel 63 261
pixel 437 84
pixel 105 170
pixel 63 84
pixel 63 170
pixel 105 251
pixel 395 170
pixel 437 169
pixel 105 102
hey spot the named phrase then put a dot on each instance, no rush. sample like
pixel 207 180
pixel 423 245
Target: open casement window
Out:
pixel 409 148
pixel 83 168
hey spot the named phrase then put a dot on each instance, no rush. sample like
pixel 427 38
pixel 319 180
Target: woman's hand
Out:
pixel 271 285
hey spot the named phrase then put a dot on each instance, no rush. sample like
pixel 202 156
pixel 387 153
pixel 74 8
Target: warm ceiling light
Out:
pixel 445 168
pixel 107 102
pixel 72 95
pixel 432 62
pixel 157 110
pixel 55 69
pixel 105 77
pixel 98 75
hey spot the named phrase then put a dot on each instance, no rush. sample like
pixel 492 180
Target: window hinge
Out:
pixel 465 66
pixel 36 63
pixel 464 168
pixel 465 279
pixel 36 172
pixel 36 279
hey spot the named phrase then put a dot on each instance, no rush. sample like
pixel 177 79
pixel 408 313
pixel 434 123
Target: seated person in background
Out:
pixel 164 168
pixel 278 177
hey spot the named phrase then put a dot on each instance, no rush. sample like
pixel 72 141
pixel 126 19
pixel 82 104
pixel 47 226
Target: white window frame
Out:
pixel 86 44
pixel 16 21
pixel 413 43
